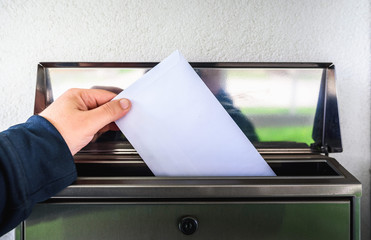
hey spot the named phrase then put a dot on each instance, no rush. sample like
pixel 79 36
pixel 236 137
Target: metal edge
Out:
pixel 194 64
pixel 324 147
pixel 43 94
pixel 296 200
pixel 356 218
pixel 332 121
pixel 23 230
pixel 40 99
pixel 271 190
pixel 131 152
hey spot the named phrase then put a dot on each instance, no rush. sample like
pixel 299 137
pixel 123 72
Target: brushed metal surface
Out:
pixel 242 220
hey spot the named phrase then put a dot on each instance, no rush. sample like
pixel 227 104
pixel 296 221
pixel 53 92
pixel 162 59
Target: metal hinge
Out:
pixel 325 150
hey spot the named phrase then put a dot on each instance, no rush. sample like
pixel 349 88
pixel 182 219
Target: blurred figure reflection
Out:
pixel 215 80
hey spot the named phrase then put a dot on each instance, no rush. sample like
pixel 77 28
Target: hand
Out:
pixel 79 114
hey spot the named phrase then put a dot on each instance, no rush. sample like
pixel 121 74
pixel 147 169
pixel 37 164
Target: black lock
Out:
pixel 188 225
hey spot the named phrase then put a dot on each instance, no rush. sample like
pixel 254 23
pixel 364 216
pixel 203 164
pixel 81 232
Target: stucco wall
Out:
pixel 320 31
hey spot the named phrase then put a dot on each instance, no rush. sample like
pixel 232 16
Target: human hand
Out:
pixel 79 114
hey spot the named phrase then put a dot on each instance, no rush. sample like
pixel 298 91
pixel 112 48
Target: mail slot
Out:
pixel 287 110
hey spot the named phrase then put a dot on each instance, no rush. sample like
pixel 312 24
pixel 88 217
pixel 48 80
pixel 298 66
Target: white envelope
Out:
pixel 179 128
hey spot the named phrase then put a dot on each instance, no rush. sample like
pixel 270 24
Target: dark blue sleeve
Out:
pixel 35 164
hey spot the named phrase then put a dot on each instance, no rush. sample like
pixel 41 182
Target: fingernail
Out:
pixel 125 103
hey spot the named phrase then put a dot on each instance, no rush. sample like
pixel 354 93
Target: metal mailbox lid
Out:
pixel 280 107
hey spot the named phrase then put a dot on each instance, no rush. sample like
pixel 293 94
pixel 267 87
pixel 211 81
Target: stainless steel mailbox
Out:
pixel 289 112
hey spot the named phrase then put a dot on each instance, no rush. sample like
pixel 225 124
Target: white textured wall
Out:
pixel 321 31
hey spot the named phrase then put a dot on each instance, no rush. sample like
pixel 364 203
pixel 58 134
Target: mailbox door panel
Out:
pixel 208 220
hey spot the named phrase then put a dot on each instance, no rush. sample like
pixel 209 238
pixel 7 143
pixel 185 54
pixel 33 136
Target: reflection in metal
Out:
pixel 270 104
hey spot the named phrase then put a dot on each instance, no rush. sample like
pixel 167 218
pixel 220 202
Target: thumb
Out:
pixel 109 112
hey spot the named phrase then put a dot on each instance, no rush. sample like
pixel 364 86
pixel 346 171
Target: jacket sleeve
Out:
pixel 35 164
